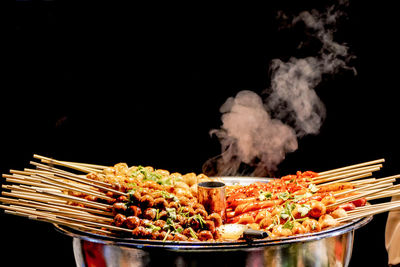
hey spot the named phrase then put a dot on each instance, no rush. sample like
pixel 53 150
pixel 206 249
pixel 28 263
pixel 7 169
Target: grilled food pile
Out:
pixel 145 203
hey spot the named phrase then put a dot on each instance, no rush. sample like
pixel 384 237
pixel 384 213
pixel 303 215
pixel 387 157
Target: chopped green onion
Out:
pixel 192 233
pixel 313 188
pixel 153 228
pixel 288 225
pixel 165 238
pixel 284 196
pixel 264 195
pixel 304 209
pixel 171 213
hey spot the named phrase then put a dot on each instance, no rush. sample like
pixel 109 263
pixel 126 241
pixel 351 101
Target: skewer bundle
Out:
pixel 83 199
pixel 326 199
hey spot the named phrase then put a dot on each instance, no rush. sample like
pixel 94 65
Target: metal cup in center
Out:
pixel 212 195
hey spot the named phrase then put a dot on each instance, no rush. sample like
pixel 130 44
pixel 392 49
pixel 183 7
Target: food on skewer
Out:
pixel 147 203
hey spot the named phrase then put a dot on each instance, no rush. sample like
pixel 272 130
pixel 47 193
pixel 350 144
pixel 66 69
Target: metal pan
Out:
pixel 331 247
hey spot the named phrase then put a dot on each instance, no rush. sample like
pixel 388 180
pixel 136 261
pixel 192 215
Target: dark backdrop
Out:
pixel 143 85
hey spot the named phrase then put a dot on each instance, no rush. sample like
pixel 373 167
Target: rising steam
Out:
pixel 257 133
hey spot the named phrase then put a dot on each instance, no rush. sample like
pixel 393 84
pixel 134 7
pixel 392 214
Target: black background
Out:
pixel 143 85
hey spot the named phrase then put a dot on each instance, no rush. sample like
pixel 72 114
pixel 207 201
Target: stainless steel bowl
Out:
pixel 332 247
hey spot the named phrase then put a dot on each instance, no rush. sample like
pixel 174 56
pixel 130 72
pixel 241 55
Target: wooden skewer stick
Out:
pixel 33 196
pixel 386 184
pixel 372 207
pixel 34 177
pixel 362 182
pixel 367 168
pixel 84 181
pixel 353 166
pixel 390 193
pixel 93 166
pixel 364 187
pixel 28 182
pixel 59 222
pixel 79 200
pixel 86 202
pixel 57 206
pixel 352 198
pixel 54 201
pixel 111 227
pixel 41 215
pixel 71 166
pixel 85 209
pixel 347 174
pixel 56 210
pixel 60 185
pixel 57 162
pixel 76 188
pixel 62 181
pixel 88 165
pixel 52 196
pixel 343 178
pixel 51 215
pixel 347 179
pixel 27 171
pixel 68 174
pixel 368 213
pixel 374 181
pixel 28 189
pixel 91 182
pixel 49 168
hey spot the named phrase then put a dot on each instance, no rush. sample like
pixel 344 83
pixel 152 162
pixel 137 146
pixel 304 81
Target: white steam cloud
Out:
pixel 257 133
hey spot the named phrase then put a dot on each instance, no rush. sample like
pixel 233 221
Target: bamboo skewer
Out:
pixel 50 215
pixel 376 187
pixel 76 188
pixel 72 166
pixel 27 182
pixel 366 169
pixel 58 221
pixel 390 193
pixel 33 196
pixel 352 166
pixel 111 227
pixel 27 171
pixel 378 183
pixel 68 174
pixel 352 198
pixel 346 179
pixel 61 197
pixel 47 214
pixel 57 206
pixel 56 210
pixel 55 202
pixel 368 213
pixel 84 181
pixel 372 207
pixel 89 165
pixel 362 182
pixel 75 199
pixel 40 193
pixel 51 169
pixel 50 160
pixel 369 186
pixel 81 180
pixel 374 181
pixel 59 184
pixel 346 175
